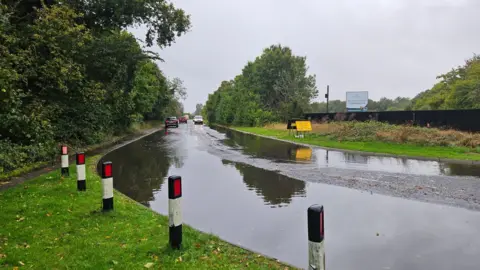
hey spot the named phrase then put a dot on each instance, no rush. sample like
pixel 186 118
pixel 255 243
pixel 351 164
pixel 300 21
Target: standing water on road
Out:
pixel 265 210
pixel 286 152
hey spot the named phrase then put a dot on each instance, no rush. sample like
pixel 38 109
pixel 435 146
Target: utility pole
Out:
pixel 327 95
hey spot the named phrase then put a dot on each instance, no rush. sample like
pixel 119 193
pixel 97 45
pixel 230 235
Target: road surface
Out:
pixel 380 213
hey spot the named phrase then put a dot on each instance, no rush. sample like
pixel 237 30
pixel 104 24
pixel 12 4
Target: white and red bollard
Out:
pixel 175 211
pixel 107 184
pixel 64 152
pixel 316 237
pixel 81 172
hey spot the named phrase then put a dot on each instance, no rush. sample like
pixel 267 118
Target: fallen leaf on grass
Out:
pixel 20 219
pixel 179 259
pixel 197 245
pixel 114 262
pixel 21 263
pixel 15 268
pixel 107 237
pixel 148 265
pixel 3 256
pixel 48 214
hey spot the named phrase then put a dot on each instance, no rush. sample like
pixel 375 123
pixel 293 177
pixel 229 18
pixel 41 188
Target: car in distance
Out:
pixel 198 120
pixel 171 121
pixel 183 119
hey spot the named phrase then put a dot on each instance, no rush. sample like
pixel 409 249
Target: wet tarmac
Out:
pixel 280 151
pixel 255 192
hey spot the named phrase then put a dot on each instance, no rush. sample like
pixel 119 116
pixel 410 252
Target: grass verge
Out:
pixel 47 224
pixel 392 148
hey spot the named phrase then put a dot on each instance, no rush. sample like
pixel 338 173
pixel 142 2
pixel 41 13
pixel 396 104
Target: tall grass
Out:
pixel 377 131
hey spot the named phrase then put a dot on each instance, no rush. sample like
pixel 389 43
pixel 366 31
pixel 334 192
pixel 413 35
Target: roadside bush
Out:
pixel 14 156
pixel 372 130
pixel 378 131
pixel 72 77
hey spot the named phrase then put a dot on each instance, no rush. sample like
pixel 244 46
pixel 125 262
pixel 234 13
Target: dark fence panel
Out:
pixel 466 120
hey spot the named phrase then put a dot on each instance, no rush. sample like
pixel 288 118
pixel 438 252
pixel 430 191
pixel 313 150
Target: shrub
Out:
pixel 15 156
pixel 378 131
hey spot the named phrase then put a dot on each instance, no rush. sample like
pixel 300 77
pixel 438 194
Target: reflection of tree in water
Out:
pixel 178 161
pixel 276 189
pixel 355 158
pixel 459 169
pixel 140 168
pixel 261 147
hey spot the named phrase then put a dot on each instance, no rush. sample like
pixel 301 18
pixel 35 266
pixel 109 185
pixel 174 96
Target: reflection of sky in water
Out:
pixel 335 159
pixel 281 152
pixel 266 211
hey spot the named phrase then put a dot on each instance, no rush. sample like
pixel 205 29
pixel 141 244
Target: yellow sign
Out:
pixel 304 154
pixel 303 126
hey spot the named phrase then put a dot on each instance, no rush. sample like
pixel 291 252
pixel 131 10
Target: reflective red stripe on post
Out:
pixel 174 187
pixel 175 211
pixel 64 157
pixel 316 237
pixel 81 172
pixel 80 158
pixel 107 185
pixel 107 169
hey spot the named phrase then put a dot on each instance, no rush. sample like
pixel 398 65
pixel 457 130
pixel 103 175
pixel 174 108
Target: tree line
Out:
pixel 384 104
pixel 71 73
pixel 276 87
pixel 456 89
pixel 273 87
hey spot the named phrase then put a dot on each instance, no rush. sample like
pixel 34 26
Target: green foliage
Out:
pixel 69 76
pixel 384 104
pixel 457 89
pixel 198 109
pixel 273 87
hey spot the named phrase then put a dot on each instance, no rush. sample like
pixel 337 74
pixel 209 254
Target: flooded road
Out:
pixel 247 190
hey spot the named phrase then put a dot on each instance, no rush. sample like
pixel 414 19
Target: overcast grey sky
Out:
pixel 387 47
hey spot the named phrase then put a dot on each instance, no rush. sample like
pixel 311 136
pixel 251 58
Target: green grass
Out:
pixel 460 153
pixel 47 224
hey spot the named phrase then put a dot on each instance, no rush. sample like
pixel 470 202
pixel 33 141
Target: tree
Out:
pixel 274 87
pixel 198 109
pixel 384 104
pixel 164 22
pixel 70 73
pixel 457 89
